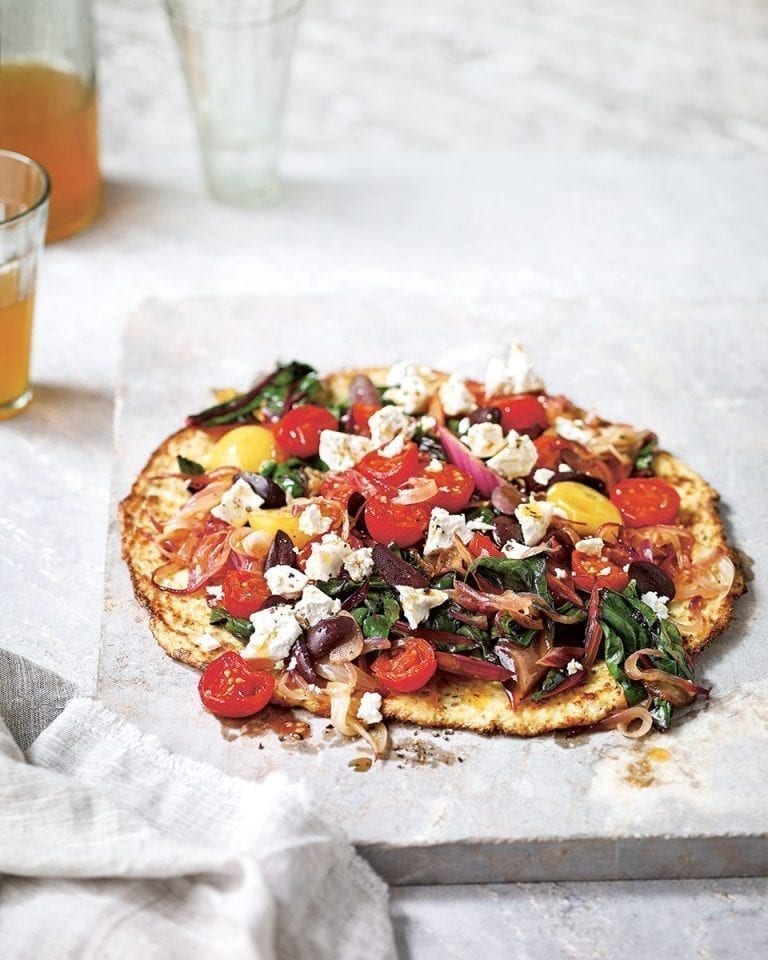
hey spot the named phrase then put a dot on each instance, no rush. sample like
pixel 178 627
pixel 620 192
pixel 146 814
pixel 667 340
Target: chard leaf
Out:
pixel 661 713
pixel 552 680
pixel 644 458
pixel 527 575
pixel 191 467
pixel 237 626
pixel 505 628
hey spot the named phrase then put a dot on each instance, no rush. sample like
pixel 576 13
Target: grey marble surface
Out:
pixel 647 128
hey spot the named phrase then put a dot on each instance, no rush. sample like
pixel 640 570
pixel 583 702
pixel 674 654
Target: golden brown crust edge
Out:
pixel 177 622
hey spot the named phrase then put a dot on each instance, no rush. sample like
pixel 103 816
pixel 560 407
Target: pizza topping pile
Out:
pixel 432 525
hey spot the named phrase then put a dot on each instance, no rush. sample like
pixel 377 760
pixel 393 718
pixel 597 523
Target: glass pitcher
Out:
pixel 48 102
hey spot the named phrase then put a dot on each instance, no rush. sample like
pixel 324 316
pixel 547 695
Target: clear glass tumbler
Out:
pixel 24 191
pixel 236 56
pixel 48 102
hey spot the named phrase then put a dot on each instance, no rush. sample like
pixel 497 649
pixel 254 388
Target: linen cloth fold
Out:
pixel 111 847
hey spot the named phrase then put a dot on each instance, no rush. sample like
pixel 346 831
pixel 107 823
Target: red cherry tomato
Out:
pixel 298 431
pixel 390 522
pixel 406 669
pixel 550 449
pixel 360 414
pixel 482 546
pixel 340 486
pixel 231 687
pixel 589 571
pixel 454 488
pixel 646 501
pixel 390 470
pixel 522 412
pixel 244 592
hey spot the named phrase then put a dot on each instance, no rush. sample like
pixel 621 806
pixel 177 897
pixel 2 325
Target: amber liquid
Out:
pixel 51 116
pixel 15 344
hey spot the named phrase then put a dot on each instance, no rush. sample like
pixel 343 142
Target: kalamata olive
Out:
pixel 272 495
pixel 485 415
pixel 506 529
pixel 362 390
pixel 330 633
pixel 395 570
pixel 304 662
pixel 506 498
pixel 651 579
pixel 280 552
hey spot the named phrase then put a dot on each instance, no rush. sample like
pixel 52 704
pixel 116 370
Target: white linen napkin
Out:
pixel 111 847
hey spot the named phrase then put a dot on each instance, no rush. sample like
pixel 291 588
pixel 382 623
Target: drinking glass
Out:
pixel 24 191
pixel 236 56
pixel 48 102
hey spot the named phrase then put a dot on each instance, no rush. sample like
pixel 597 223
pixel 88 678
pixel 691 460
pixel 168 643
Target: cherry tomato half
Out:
pixel 298 432
pixel 550 448
pixel 645 501
pixel 360 414
pixel 390 470
pixel 390 522
pixel 482 546
pixel 589 570
pixel 244 592
pixel 454 488
pixel 406 669
pixel 522 412
pixel 231 687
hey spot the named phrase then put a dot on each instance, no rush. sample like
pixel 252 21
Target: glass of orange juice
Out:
pixel 24 191
pixel 48 102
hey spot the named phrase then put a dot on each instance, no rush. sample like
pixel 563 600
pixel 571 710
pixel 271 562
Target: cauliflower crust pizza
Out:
pixel 401 543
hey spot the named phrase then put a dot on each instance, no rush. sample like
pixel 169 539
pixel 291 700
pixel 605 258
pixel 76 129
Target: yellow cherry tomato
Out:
pixel 246 448
pixel 583 506
pixel 270 521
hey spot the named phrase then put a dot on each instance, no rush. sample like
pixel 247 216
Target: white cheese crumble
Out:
pixel 564 468
pixel 427 424
pixel 434 466
pixel 315 606
pixel 514 374
pixel 484 439
pixel 604 572
pixel 326 557
pixel 560 574
pixel 657 604
pixel 574 430
pixel 534 519
pixel 393 448
pixel 237 503
pixel 514 550
pixel 388 423
pixel 341 451
pixel 463 425
pixel 443 528
pixel 573 666
pixel 417 602
pixel 398 371
pixel 479 524
pixel 369 710
pixel 412 392
pixel 216 592
pixel 592 546
pixel 312 521
pixel 285 581
pixel 543 476
pixel 208 643
pixel 516 458
pixel 359 563
pixel 456 397
pixel 275 630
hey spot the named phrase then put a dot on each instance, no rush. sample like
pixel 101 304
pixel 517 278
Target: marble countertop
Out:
pixel 596 153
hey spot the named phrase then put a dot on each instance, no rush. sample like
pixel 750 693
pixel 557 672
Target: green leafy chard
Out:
pixel 237 626
pixel 190 467
pixel 527 575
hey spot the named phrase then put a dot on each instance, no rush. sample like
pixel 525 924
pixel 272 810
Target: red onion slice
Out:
pixel 485 479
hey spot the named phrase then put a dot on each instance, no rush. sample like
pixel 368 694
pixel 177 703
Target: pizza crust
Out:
pixel 177 621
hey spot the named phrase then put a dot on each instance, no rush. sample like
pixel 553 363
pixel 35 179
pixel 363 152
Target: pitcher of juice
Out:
pixel 48 102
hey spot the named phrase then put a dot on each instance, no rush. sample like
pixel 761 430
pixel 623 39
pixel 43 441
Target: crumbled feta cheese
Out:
pixel 604 572
pixel 399 371
pixel 542 476
pixel 463 425
pixel 326 557
pixel 479 524
pixel 341 451
pixel 417 602
pixel 359 563
pixel 369 710
pixel 275 630
pixel 484 439
pixel 434 466
pixel 573 430
pixel 314 606
pixel 409 387
pixel 592 546
pixel 393 448
pixel 564 468
pixel 427 424
pixel 312 521
pixel 514 550
pixel 560 574
pixel 534 518
pixel 456 397
pixel 573 666
pixel 514 374
pixel 444 527
pixel 516 458
pixel 239 501
pixel 657 604
pixel 285 581
pixel 208 643
pixel 388 423
pixel 216 592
